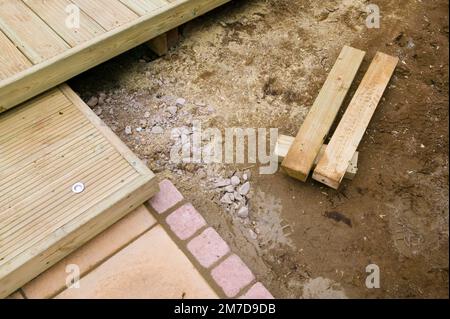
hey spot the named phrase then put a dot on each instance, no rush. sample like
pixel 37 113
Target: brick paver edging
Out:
pixel 209 252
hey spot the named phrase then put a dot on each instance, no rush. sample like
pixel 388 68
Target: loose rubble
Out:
pixel 234 194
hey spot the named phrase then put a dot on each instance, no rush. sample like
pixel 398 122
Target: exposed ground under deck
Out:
pixel 39 51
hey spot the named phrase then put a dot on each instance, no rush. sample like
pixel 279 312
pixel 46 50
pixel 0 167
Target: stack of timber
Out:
pixel 333 164
pixel 338 159
pixel 311 136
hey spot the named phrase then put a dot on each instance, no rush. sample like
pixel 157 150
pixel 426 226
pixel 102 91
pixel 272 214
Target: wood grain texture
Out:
pixel 315 128
pixel 284 143
pixel 332 166
pixel 47 145
pixel 28 83
pixel 110 14
pixel 142 7
pixel 12 61
pixel 37 41
pixel 53 12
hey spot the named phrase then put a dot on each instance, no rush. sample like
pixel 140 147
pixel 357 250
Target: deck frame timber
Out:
pixel 317 124
pixel 82 217
pixel 284 143
pixel 57 69
pixel 164 42
pixel 332 166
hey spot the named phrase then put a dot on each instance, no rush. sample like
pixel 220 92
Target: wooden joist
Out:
pixel 311 136
pixel 333 164
pixel 162 43
pixel 284 143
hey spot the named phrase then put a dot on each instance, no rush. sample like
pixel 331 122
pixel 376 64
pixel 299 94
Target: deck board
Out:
pixel 53 12
pixel 57 53
pixel 142 7
pixel 12 60
pixel 109 14
pixel 60 142
pixel 29 33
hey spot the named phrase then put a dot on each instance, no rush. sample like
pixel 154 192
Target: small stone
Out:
pixel 93 101
pixel 226 199
pixel 101 98
pixel 235 180
pixel 157 130
pixel 253 235
pixel 98 110
pixel 147 114
pixel 128 130
pixel 229 189
pixel 244 189
pixel 180 101
pixel 172 110
pixel 243 212
pixel 139 129
pixel 222 183
pixel 200 104
pixel 247 174
pixel 231 196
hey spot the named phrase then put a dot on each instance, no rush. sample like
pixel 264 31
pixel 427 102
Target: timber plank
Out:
pixel 142 7
pixel 110 14
pixel 284 143
pixel 53 12
pixel 332 166
pixel 36 40
pixel 315 128
pixel 12 60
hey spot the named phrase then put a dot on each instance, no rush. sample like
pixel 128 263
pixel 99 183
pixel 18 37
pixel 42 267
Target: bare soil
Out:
pixel 260 64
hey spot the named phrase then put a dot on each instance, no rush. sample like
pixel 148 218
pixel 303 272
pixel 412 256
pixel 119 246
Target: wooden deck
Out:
pixel 47 145
pixel 39 51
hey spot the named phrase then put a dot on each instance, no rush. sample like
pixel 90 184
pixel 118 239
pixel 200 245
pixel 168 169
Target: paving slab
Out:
pixel 150 267
pixel 258 291
pixel 208 247
pixel 53 281
pixel 232 275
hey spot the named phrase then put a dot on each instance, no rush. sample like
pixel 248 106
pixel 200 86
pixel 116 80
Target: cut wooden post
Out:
pixel 162 43
pixel 315 128
pixel 284 143
pixel 332 166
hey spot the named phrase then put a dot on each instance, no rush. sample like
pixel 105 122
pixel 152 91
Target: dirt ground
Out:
pixel 260 64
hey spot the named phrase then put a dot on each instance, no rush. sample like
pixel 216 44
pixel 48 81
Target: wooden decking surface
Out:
pixel 39 51
pixel 46 146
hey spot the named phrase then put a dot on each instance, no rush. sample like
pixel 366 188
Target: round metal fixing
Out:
pixel 78 188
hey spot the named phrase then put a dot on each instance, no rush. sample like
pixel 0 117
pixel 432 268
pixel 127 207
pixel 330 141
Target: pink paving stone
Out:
pixel 232 275
pixel 258 291
pixel 208 247
pixel 167 197
pixel 185 221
